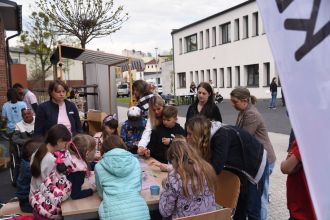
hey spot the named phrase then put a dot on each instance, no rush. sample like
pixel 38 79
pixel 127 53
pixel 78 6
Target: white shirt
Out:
pixel 145 139
pixel 22 126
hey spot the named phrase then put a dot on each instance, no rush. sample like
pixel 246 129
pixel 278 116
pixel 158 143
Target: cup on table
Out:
pixel 154 190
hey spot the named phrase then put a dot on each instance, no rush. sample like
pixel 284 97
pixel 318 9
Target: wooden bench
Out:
pixel 11 208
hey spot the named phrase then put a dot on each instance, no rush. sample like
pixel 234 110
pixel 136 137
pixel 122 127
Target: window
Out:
pixel 180 45
pixel 266 74
pixel 15 61
pixel 182 80
pixel 255 24
pixel 238 75
pixel 245 27
pixel 214 35
pixel 158 80
pixel 196 77
pixel 208 75
pixel 253 75
pixel 229 77
pixel 202 76
pixel 236 29
pixel 215 77
pixel 225 33
pixel 207 38
pixel 222 74
pixel 201 39
pixel 191 76
pixel 191 43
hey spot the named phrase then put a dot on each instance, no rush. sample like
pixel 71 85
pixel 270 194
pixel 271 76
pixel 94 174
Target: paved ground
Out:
pixel 279 127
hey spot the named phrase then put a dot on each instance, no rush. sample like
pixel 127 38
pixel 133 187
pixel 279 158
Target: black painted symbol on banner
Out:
pixel 307 25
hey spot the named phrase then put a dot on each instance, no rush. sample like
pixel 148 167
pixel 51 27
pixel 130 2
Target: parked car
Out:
pixel 123 90
pixel 160 89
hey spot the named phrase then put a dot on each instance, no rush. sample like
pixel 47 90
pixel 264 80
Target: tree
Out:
pixel 84 19
pixel 39 40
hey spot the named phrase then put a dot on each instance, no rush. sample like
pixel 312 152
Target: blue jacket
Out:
pixel 131 132
pixel 47 116
pixel 118 182
pixel 23 180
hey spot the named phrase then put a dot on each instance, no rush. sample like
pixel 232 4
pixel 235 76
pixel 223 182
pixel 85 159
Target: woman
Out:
pixel 57 110
pixel 156 106
pixel 273 91
pixel 237 150
pixel 142 92
pixel 204 104
pixel 252 121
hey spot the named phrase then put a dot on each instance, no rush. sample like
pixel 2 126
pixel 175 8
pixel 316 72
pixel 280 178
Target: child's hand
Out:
pixel 141 150
pixel 166 141
pixel 97 155
pixel 147 153
pixel 164 167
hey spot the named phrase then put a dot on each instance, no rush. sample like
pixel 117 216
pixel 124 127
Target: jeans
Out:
pixel 254 197
pixel 273 102
pixel 264 197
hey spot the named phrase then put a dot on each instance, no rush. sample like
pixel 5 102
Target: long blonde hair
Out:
pixel 191 167
pixel 155 101
pixel 200 137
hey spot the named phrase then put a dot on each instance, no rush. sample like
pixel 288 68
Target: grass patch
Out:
pixel 123 100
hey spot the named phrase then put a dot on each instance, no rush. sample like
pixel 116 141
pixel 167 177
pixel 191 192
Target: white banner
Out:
pixel 298 32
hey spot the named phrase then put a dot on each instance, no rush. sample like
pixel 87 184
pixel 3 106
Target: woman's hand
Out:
pixel 166 141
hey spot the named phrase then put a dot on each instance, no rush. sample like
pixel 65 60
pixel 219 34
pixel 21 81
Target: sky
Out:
pixel 150 22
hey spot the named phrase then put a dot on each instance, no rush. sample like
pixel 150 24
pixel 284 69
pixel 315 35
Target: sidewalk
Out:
pixel 277 206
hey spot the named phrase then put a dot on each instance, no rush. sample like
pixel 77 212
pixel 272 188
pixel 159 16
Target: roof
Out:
pixel 212 16
pixel 153 61
pixel 11 14
pixel 88 56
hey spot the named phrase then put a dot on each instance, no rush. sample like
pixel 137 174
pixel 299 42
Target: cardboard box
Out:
pixel 97 116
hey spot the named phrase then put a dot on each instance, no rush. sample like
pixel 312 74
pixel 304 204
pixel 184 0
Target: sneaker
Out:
pixel 274 108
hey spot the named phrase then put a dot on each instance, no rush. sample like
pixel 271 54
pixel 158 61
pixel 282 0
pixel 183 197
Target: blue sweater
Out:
pixel 118 182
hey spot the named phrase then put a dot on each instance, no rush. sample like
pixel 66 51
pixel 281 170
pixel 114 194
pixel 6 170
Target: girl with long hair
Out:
pixel 191 182
pixel 204 104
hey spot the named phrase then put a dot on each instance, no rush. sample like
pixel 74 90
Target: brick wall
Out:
pixel 3 66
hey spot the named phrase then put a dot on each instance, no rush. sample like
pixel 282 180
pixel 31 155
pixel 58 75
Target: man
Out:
pixel 28 97
pixel 24 129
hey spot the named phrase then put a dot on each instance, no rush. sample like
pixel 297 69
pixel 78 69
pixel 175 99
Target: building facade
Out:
pixel 230 48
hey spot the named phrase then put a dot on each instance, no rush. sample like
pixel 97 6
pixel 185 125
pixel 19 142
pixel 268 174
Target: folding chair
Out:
pixel 221 214
pixel 228 189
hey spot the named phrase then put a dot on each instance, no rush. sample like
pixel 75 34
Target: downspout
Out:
pixel 173 65
pixel 19 25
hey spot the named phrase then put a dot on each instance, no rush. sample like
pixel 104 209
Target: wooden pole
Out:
pixel 60 61
pixel 130 82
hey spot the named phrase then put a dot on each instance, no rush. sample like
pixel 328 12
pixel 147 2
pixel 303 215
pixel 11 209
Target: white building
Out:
pixel 230 48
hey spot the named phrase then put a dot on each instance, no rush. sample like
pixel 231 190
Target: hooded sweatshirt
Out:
pixel 118 182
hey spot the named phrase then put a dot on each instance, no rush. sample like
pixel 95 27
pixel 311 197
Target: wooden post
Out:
pixel 130 82
pixel 60 61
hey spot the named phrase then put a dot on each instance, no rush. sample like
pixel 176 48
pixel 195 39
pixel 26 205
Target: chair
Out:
pixel 221 214
pixel 228 188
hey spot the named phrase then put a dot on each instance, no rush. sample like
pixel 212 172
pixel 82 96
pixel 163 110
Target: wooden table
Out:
pixel 87 208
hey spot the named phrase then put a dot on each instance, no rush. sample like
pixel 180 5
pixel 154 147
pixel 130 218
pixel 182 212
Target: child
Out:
pixel 298 199
pixel 162 136
pixel 118 181
pixel 132 129
pixel 190 186
pixel 24 177
pixel 109 126
pixel 79 148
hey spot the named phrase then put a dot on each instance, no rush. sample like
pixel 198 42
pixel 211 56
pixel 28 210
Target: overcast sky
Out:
pixel 151 22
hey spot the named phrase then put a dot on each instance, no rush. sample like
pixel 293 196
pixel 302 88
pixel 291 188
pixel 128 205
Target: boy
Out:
pixel 24 177
pixel 132 129
pixel 162 136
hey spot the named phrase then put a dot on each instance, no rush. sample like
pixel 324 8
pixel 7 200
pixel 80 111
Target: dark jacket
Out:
pixel 47 116
pixel 158 150
pixel 273 87
pixel 227 150
pixel 143 103
pixel 212 113
pixel 23 180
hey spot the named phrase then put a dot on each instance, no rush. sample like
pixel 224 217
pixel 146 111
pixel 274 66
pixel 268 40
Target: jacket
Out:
pixel 47 116
pixel 158 150
pixel 251 120
pixel 211 112
pixel 23 180
pixel 118 181
pixel 143 103
pixel 236 149
pixel 131 132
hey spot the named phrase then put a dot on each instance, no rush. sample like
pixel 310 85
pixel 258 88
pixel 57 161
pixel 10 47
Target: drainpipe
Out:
pixel 19 31
pixel 174 90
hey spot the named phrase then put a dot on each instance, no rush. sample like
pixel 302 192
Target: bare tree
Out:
pixel 84 19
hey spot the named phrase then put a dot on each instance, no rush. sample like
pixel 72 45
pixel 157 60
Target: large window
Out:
pixel 229 77
pixel 191 43
pixel 225 33
pixel 245 27
pixel 222 78
pixel 180 46
pixel 201 39
pixel 236 29
pixel 207 38
pixel 182 80
pixel 214 37
pixel 238 76
pixel 266 74
pixel 253 75
pixel 255 24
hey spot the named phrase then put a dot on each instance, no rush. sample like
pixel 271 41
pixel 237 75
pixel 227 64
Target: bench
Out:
pixel 11 208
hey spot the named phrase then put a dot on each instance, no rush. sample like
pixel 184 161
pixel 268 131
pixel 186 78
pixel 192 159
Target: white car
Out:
pixel 160 89
pixel 123 90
